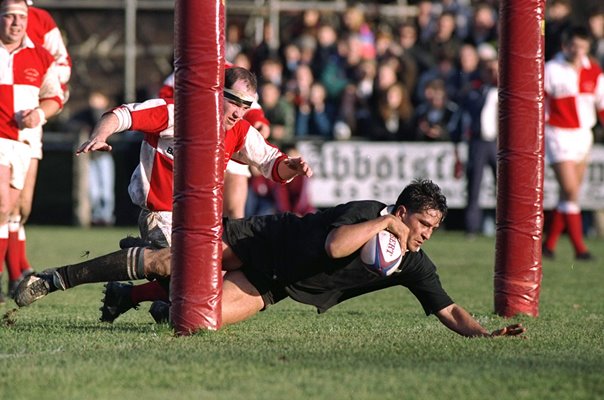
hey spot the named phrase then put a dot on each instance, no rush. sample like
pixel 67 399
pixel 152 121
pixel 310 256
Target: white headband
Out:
pixel 238 96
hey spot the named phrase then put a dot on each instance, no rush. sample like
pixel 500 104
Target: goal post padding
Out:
pixel 518 269
pixel 196 284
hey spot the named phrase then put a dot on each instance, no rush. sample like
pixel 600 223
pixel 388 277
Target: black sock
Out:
pixel 122 265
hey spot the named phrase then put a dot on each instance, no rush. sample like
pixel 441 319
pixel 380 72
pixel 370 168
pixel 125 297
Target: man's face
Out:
pixel 576 49
pixel 421 225
pixel 12 25
pixel 233 110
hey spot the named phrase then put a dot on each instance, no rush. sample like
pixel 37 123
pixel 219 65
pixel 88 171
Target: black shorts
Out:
pixel 271 291
pixel 242 237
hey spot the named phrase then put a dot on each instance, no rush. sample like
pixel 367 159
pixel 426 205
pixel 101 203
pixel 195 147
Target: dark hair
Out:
pixel 421 195
pixel 575 31
pixel 234 74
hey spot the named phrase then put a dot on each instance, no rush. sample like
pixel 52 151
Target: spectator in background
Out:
pixel 386 76
pixel 326 51
pixel 413 52
pixel 468 68
pixel 557 20
pixel 315 117
pixel 308 46
pixel 480 107
pixel 484 25
pixel 574 91
pixel 425 21
pixel 444 37
pixel 271 70
pixel 355 109
pixel 393 120
pixel 306 25
pixel 264 50
pixel 292 58
pixel 463 15
pixel 31 93
pixel 101 168
pixel 444 70
pixel 243 60
pixel 297 89
pixel 385 45
pixel 354 24
pixel 233 42
pixel 279 112
pixel 437 119
pixel 596 30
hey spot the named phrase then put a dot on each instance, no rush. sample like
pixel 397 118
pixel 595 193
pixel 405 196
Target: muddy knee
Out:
pixel 157 263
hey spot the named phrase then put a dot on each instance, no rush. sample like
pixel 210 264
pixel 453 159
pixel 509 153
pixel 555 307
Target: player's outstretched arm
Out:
pixel 107 126
pixel 292 167
pixel 459 320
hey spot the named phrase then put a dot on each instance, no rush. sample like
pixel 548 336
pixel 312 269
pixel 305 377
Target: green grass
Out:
pixel 379 346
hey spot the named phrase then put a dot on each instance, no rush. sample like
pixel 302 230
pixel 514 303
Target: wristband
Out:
pixel 41 115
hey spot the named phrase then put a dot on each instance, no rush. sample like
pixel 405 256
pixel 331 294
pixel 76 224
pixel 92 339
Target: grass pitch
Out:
pixel 379 346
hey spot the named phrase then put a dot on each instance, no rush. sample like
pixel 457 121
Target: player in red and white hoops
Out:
pixel 235 175
pixel 30 90
pixel 574 94
pixel 43 31
pixel 151 183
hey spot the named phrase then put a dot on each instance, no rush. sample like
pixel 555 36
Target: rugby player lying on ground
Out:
pixel 312 259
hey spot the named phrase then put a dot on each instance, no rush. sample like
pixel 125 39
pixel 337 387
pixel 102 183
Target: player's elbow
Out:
pixel 334 248
pixel 331 249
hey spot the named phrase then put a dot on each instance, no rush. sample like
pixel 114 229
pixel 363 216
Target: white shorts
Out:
pixel 567 144
pixel 156 227
pixel 235 168
pixel 33 138
pixel 17 156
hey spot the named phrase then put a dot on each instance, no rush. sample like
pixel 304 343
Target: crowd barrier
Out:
pixel 357 170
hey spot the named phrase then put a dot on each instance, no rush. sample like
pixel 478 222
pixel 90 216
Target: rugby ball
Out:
pixel 382 254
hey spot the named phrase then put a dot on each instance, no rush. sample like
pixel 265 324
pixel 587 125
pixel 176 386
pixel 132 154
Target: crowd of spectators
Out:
pixel 342 76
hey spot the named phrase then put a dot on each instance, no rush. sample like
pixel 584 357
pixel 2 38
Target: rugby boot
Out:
pixel 36 286
pixel 131 241
pixel 586 256
pixel 117 301
pixel 2 299
pixel 160 311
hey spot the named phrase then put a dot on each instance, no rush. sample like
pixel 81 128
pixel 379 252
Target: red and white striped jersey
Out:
pixel 573 97
pixel 28 75
pixel 43 31
pixel 151 184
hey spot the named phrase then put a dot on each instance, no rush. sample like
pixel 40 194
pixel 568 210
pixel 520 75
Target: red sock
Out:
pixel 13 257
pixel 555 230
pixel 25 265
pixel 3 244
pixel 148 292
pixel 575 231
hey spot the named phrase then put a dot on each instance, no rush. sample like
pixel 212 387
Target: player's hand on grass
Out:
pixel 511 330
